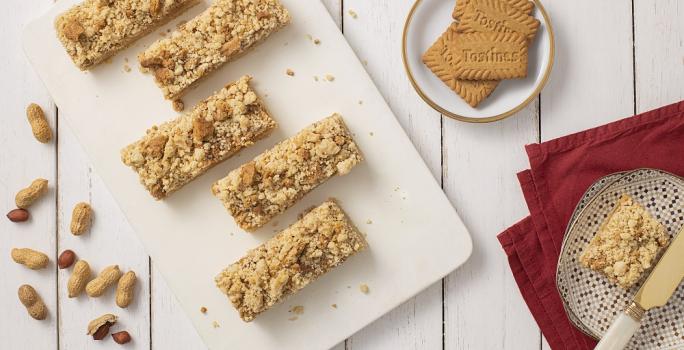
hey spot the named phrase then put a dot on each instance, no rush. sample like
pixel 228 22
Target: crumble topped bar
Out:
pixel 277 178
pixel 95 30
pixel 626 244
pixel 224 31
pixel 176 152
pixel 321 240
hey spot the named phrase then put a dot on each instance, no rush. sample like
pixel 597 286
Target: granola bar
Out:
pixel 95 30
pixel 321 240
pixel 176 152
pixel 626 244
pixel 227 29
pixel 276 179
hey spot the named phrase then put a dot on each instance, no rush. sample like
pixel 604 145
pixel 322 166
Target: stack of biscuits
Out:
pixel 486 43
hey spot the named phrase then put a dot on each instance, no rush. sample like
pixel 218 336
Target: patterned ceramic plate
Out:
pixel 590 300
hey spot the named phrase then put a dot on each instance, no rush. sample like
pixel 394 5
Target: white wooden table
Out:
pixel 613 58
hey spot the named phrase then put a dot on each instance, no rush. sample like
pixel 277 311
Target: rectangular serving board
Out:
pixel 414 233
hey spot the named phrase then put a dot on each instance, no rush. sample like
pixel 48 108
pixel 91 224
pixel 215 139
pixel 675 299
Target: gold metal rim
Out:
pixel 501 116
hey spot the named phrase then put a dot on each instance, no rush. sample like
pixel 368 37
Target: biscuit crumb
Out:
pixel 353 14
pixel 162 34
pixel 360 102
pixel 329 77
pixel 365 62
pixel 364 288
pixel 203 310
pixel 215 324
pixel 290 72
pixel 317 41
pixel 178 105
pixel 369 221
pixel 371 133
pixel 297 309
pixel 293 318
pixel 127 68
pixel 308 36
pixel 316 77
pixel 334 306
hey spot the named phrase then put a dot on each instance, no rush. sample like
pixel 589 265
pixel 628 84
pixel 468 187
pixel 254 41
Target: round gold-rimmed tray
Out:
pixel 426 21
pixel 589 299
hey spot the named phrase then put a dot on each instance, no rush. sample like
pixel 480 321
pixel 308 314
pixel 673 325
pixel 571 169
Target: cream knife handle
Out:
pixel 619 333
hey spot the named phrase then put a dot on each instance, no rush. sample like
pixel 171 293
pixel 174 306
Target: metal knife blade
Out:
pixel 665 277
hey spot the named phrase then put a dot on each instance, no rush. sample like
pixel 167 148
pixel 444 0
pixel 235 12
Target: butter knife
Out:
pixel 658 288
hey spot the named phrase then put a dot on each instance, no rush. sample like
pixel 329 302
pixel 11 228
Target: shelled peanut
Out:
pixel 99 327
pixel 81 217
pixel 125 289
pixel 32 301
pixel 104 280
pixel 30 258
pixel 28 195
pixel 78 279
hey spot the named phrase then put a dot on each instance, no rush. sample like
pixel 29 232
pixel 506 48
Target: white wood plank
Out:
pixel 591 83
pixel 659 62
pixel 23 160
pixel 483 307
pixel 171 329
pixel 375 37
pixel 335 9
pixel 110 241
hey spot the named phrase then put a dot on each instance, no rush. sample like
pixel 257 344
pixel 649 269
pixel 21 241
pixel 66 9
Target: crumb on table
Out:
pixel 290 72
pixel 178 105
pixel 364 288
pixel 297 309
pixel 329 77
pixel 353 14
pixel 203 310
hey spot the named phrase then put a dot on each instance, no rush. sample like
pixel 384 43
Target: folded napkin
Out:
pixel 561 170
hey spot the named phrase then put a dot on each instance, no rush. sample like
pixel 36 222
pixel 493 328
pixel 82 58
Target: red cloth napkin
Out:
pixel 560 172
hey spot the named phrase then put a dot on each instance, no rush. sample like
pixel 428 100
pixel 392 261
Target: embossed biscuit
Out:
pixel 523 5
pixel 489 56
pixel 440 61
pixel 497 16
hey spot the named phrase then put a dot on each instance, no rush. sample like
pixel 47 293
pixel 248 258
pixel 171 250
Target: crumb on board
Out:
pixel 215 324
pixel 127 68
pixel 162 34
pixel 317 41
pixel 293 318
pixel 365 62
pixel 360 102
pixel 178 105
pixel 334 306
pixel 364 288
pixel 353 14
pixel 396 189
pixel 371 133
pixel 308 36
pixel 316 77
pixel 329 77
pixel 297 309
pixel 203 310
pixel 289 72
pixel 369 221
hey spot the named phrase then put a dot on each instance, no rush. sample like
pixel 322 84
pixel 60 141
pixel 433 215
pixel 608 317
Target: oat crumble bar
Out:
pixel 626 244
pixel 95 30
pixel 227 29
pixel 321 240
pixel 178 151
pixel 272 182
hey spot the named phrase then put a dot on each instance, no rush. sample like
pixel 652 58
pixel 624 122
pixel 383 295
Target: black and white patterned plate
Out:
pixel 590 300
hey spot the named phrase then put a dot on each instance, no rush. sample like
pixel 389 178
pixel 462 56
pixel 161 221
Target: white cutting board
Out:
pixel 415 236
